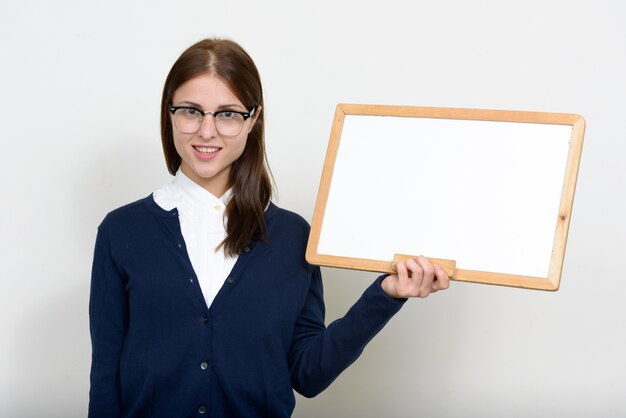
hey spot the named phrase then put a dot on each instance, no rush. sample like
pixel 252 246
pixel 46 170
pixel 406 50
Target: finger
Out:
pixel 442 281
pixel 416 277
pixel 402 274
pixel 428 276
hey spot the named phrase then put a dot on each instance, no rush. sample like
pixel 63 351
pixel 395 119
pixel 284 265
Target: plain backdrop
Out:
pixel 80 90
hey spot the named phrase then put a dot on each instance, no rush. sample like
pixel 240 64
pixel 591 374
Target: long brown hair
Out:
pixel 249 176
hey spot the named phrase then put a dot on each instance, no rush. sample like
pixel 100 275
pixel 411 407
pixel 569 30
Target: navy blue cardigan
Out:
pixel 158 351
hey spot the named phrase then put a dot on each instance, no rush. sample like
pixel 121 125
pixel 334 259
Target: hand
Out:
pixel 415 278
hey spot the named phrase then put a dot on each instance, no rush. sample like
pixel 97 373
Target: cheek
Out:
pixel 179 143
pixel 240 147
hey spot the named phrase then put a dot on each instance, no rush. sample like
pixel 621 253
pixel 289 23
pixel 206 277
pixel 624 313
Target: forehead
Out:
pixel 206 90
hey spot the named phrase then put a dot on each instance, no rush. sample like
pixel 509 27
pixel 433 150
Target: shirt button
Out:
pixel 202 409
pixel 230 280
pixel 204 365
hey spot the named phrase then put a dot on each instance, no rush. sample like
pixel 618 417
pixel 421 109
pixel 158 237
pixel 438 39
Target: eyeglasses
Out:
pixel 188 120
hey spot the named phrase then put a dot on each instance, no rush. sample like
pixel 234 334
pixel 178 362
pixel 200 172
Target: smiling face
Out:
pixel 206 156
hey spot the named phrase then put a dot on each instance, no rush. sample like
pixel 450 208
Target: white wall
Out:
pixel 81 83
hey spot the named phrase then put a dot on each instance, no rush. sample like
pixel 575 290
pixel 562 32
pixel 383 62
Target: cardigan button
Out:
pixel 205 319
pixel 202 409
pixel 230 280
pixel 204 365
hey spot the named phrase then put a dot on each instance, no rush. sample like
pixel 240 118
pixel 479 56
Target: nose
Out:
pixel 207 128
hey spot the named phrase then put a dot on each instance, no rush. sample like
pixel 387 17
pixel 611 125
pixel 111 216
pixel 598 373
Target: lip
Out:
pixel 203 155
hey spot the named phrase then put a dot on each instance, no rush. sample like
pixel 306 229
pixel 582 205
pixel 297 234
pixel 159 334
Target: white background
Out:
pixel 80 89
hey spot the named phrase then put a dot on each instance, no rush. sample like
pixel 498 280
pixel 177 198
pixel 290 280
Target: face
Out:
pixel 206 156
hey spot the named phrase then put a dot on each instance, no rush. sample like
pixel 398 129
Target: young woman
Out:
pixel 202 303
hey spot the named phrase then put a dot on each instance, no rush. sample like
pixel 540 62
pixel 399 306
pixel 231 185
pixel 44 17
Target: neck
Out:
pixel 216 184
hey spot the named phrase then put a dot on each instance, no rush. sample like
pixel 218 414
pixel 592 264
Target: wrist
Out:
pixel 389 288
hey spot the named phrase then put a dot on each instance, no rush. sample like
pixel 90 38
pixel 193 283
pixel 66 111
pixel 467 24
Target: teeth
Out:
pixel 207 150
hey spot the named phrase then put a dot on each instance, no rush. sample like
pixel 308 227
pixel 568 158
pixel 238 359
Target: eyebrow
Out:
pixel 190 103
pixel 220 107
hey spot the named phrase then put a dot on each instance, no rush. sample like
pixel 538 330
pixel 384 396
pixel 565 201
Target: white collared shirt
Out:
pixel 202 222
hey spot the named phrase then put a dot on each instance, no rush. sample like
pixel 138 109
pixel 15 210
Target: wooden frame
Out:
pixel 566 127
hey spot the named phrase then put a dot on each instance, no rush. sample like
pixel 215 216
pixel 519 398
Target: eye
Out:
pixel 190 112
pixel 227 115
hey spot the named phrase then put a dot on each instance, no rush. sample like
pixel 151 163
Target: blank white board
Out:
pixel 490 190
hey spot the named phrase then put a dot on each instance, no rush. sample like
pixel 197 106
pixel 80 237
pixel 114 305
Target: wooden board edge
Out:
pixel 325 180
pixel 461 113
pixel 567 202
pixel 463 275
pixel 504 279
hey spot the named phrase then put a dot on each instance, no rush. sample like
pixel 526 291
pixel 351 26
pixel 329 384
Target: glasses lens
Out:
pixel 229 123
pixel 187 121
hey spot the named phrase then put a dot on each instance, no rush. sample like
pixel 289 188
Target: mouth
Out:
pixel 206 150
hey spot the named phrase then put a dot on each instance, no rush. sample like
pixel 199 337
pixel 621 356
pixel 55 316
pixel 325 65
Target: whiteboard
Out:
pixel 490 190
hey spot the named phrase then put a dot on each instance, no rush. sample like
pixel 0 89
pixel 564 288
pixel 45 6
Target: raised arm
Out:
pixel 318 354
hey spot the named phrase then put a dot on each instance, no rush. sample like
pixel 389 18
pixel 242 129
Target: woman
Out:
pixel 202 303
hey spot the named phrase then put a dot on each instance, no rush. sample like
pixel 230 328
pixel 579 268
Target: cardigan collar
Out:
pixel 159 211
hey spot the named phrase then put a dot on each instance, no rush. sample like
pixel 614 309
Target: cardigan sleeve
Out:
pixel 108 322
pixel 318 354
